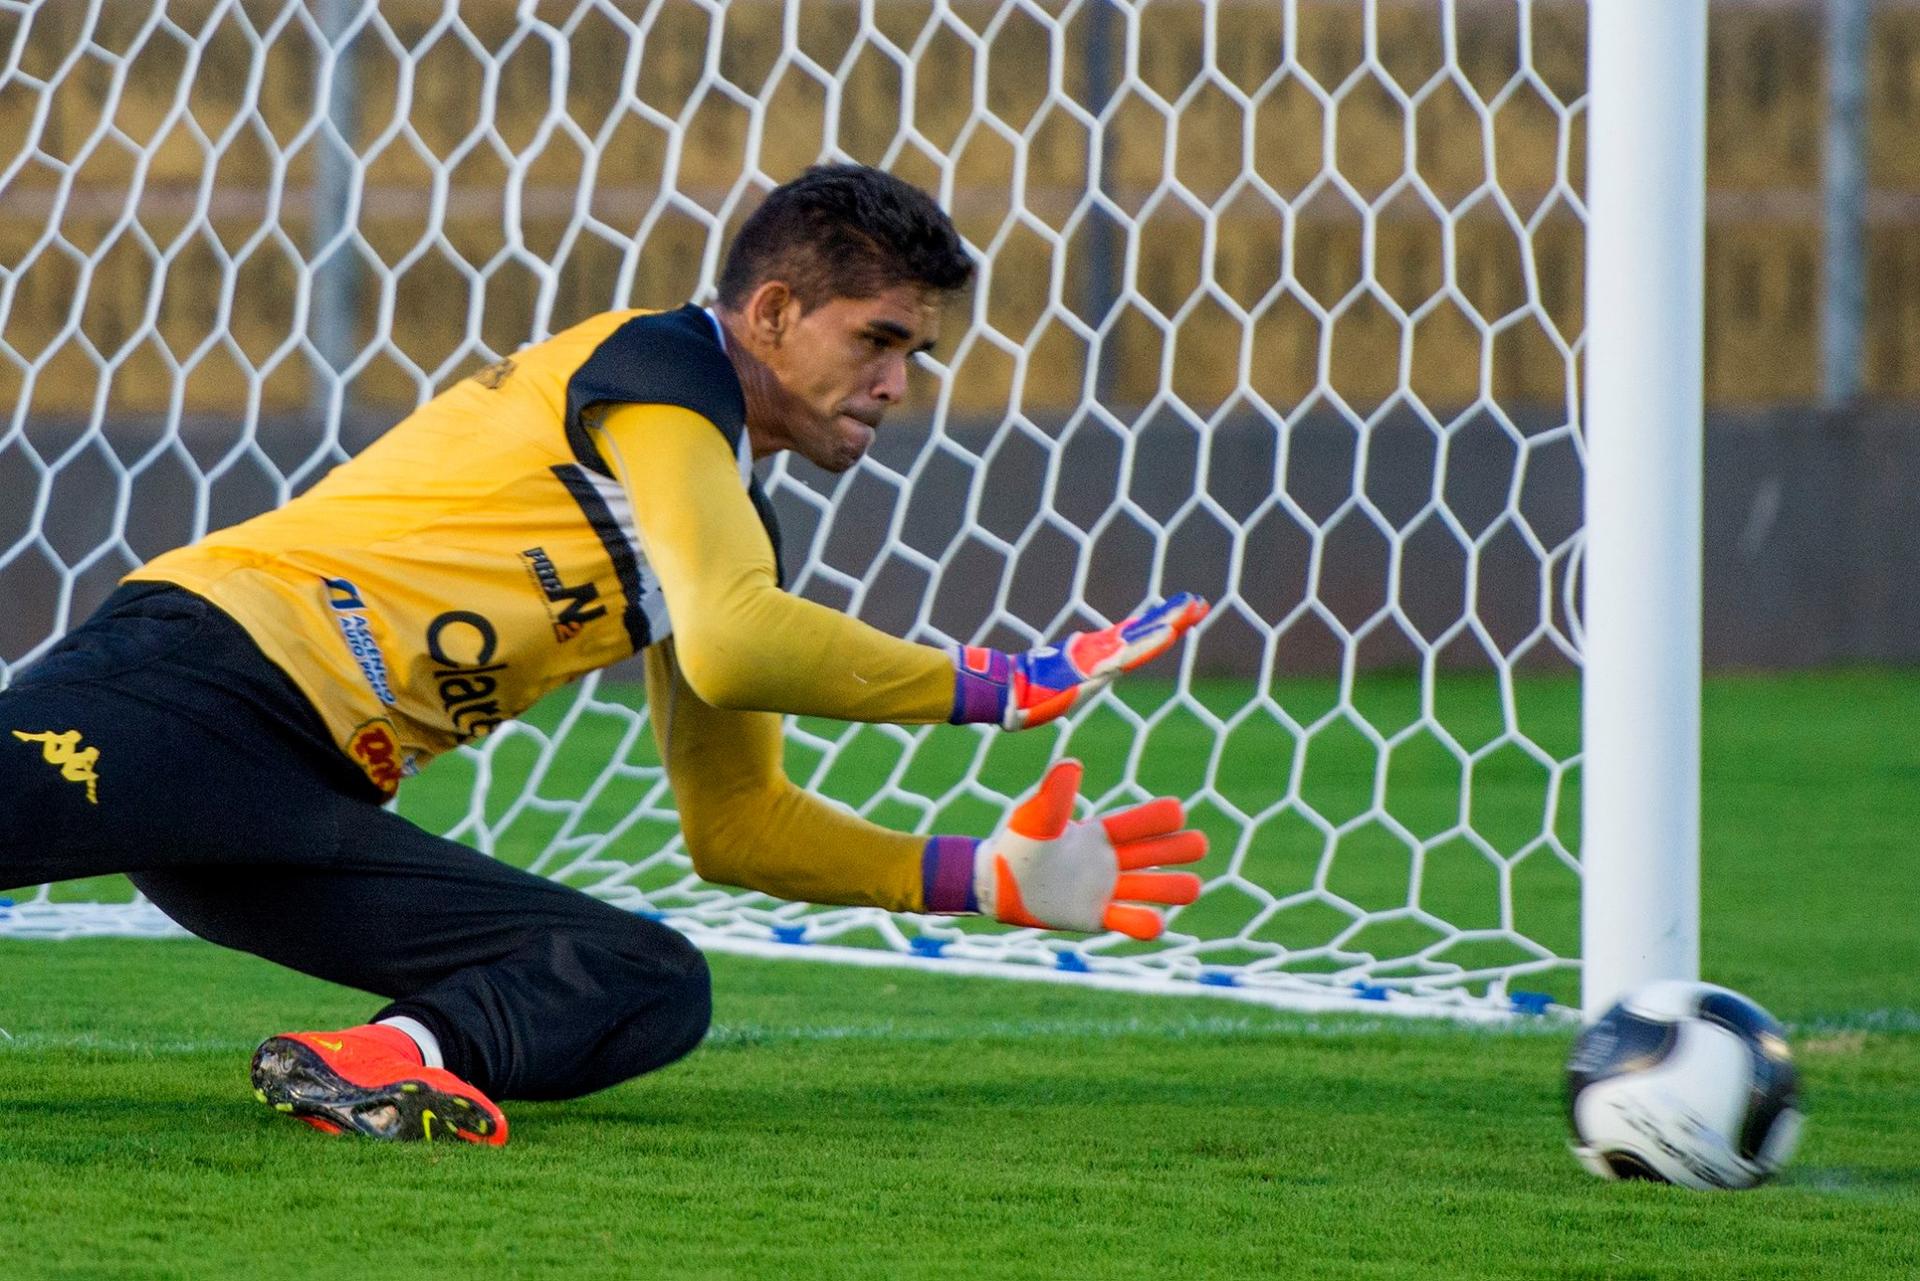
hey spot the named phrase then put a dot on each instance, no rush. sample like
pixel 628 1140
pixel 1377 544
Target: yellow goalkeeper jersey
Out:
pixel 552 514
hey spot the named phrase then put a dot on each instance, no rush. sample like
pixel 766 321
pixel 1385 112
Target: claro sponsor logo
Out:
pixel 350 612
pixel 375 749
pixel 567 606
pixel 463 644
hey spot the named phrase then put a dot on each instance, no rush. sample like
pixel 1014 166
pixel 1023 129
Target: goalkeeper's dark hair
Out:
pixel 844 231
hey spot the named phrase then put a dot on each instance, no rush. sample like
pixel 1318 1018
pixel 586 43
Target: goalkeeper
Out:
pixel 226 727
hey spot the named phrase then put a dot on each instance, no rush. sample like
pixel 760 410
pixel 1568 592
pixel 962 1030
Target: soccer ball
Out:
pixel 1684 1083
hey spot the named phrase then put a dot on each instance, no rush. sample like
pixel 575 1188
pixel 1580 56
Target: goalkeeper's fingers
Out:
pixel 1162 851
pixel 1157 817
pixel 1153 632
pixel 1143 923
pixel 1148 836
pixel 1045 815
pixel 1046 880
pixel 1137 640
pixel 1020 691
pixel 1170 888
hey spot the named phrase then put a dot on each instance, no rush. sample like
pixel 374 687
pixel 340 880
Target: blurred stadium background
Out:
pixel 886 1123
pixel 1812 545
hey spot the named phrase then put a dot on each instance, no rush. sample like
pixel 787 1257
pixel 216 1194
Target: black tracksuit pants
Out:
pixel 214 785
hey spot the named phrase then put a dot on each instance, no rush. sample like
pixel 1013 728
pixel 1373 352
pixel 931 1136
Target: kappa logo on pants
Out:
pixel 76 764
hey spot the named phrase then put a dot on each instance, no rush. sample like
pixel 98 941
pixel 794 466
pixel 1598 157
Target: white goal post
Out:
pixel 1288 302
pixel 1646 243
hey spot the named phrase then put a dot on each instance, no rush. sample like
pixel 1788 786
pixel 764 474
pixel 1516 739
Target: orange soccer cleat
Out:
pixel 370 1080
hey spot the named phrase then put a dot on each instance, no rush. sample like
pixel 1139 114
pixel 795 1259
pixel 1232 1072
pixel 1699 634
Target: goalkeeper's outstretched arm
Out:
pixel 746 824
pixel 746 645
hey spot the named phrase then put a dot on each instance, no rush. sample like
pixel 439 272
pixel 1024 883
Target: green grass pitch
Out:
pixel 904 1125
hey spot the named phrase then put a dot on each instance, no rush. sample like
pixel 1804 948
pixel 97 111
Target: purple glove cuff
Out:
pixel 946 874
pixel 982 682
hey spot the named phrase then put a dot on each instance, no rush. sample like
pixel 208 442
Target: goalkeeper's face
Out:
pixel 843 365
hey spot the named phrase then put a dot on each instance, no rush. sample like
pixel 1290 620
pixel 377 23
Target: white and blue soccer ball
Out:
pixel 1684 1083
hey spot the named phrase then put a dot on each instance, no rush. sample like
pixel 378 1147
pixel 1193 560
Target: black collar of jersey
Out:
pixel 667 358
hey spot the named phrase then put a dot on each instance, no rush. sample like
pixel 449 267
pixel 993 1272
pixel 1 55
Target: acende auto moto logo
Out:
pixel 350 612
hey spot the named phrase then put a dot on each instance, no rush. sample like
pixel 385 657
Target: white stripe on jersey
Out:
pixel 653 601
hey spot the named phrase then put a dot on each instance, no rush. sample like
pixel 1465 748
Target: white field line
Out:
pixel 730 1036
pixel 747 1036
pixel 1304 998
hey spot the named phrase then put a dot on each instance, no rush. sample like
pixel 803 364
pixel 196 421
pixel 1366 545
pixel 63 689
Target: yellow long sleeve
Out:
pixel 743 643
pixel 746 824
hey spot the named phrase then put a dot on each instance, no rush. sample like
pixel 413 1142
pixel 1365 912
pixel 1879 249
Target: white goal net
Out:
pixel 1279 302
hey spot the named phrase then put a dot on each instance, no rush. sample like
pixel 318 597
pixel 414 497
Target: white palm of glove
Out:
pixel 1067 881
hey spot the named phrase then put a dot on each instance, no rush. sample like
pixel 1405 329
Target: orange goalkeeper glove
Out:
pixel 1046 870
pixel 1019 691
